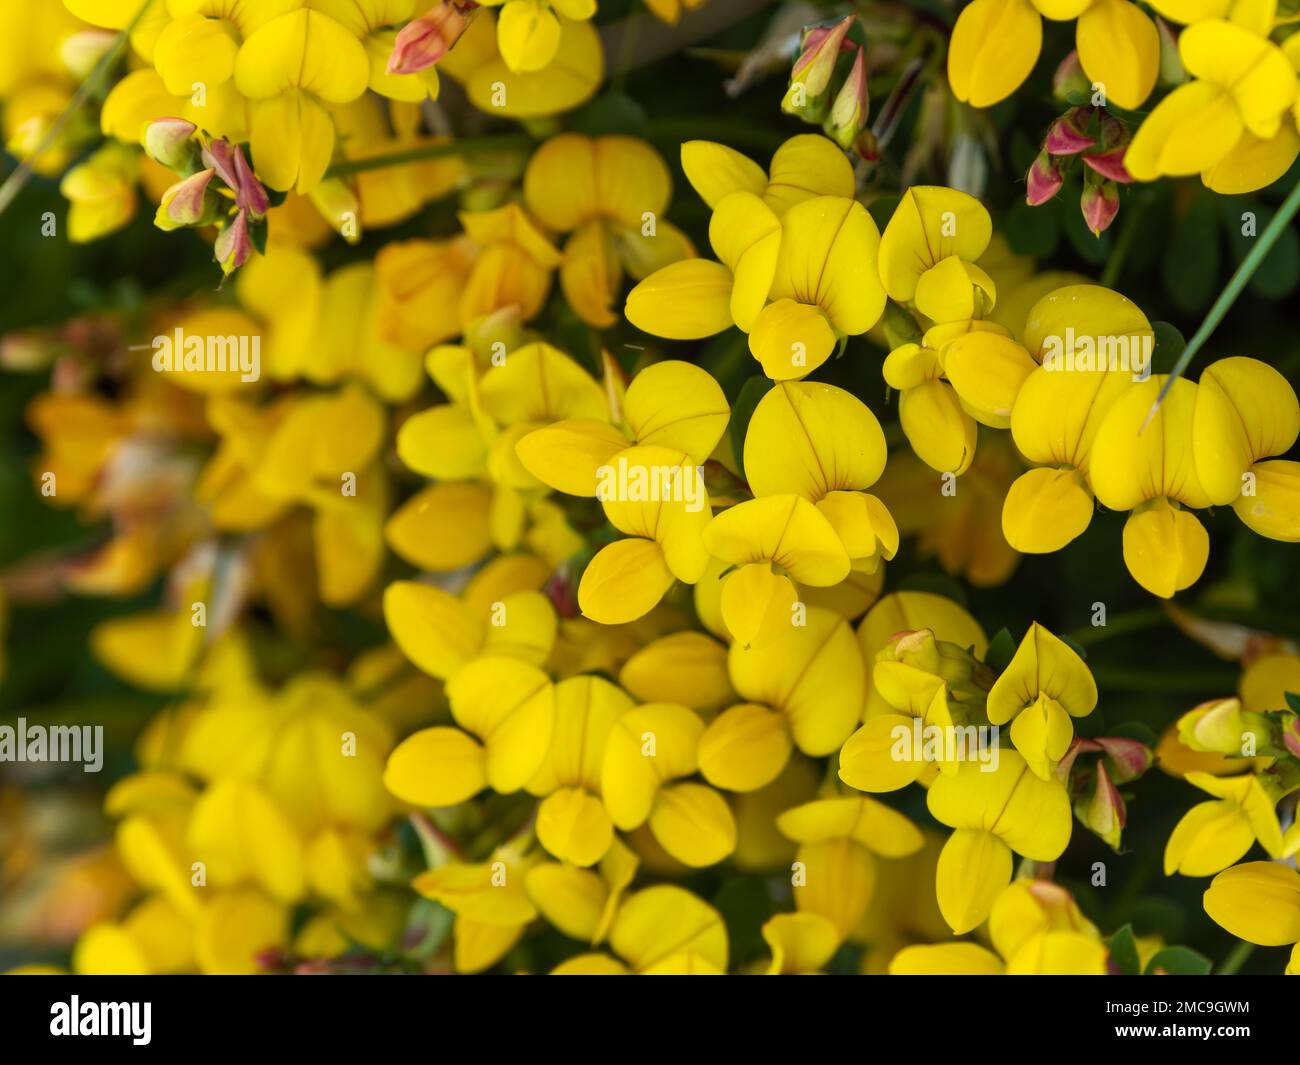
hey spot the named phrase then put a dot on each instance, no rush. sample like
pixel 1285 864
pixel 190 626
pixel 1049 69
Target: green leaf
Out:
pixel 1033 230
pixel 614 112
pixel 1293 701
pixel 1124 951
pixel 1074 647
pixel 742 411
pixel 1192 261
pixel 1179 961
pixel 1002 649
pixel 1169 345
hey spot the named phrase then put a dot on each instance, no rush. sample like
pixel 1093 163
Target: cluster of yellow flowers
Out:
pixel 1069 376
pixel 630 623
pixel 1231 116
pixel 1245 752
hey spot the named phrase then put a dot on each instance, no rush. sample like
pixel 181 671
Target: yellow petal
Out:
pixel 715 171
pixel 1165 548
pixel 805 166
pixel 573 825
pixel 1258 902
pixel 1273 510
pixel 1189 131
pixel 624 581
pixel 744 748
pixel 686 300
pixel 811 438
pixel 974 868
pixel 1120 48
pixel 994 46
pixel 1045 509
pixel 436 767
pixel 676 405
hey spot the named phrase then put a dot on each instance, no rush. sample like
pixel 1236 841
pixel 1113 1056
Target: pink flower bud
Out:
pixel 425 40
pixel 1109 160
pixel 231 165
pixel 187 203
pixel 1129 758
pixel 1066 135
pixel 815 66
pixel 234 245
pixel 169 141
pixel 1105 812
pixel 1291 736
pixel 1043 180
pixel 1100 205
pixel 849 111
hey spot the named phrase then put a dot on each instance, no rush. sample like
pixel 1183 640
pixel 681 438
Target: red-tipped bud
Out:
pixel 1067 136
pixel 187 203
pixel 234 245
pixel 815 66
pixel 1129 759
pixel 852 104
pixel 1100 205
pixel 1044 179
pixel 1109 160
pixel 425 40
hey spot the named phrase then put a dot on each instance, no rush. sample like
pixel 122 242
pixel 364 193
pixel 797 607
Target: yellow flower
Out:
pixel 1237 103
pixel 839 839
pixel 1213 835
pixel 1061 406
pixel 1153 473
pixel 994 814
pixel 513 268
pixel 571 77
pixel 995 45
pixel 1259 418
pixel 506 708
pixel 1044 685
pixel 662 930
pixel 1260 903
pixel 804 688
pixel 648 752
pixel 794 238
pixel 1036 929
pixel 291 67
pixel 100 193
pixel 571 821
pixel 610 193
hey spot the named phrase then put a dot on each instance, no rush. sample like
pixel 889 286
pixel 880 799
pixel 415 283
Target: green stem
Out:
pixel 1236 958
pixel 1124 242
pixel 16 181
pixel 1229 295
pixel 1121 625
pixel 491 144
pixel 1184 682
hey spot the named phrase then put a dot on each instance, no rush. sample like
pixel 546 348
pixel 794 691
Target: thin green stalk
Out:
pixel 1120 625
pixel 16 181
pixel 1236 958
pixel 1124 242
pixel 1229 295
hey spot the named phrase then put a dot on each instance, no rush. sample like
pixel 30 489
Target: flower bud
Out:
pixel 1129 759
pixel 1067 136
pixel 813 69
pixel 189 202
pixel 425 40
pixel 1291 735
pixel 849 112
pixel 169 141
pixel 1044 179
pixel 234 245
pixel 1070 82
pixel 1103 811
pixel 1108 161
pixel 81 51
pixel 1100 205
